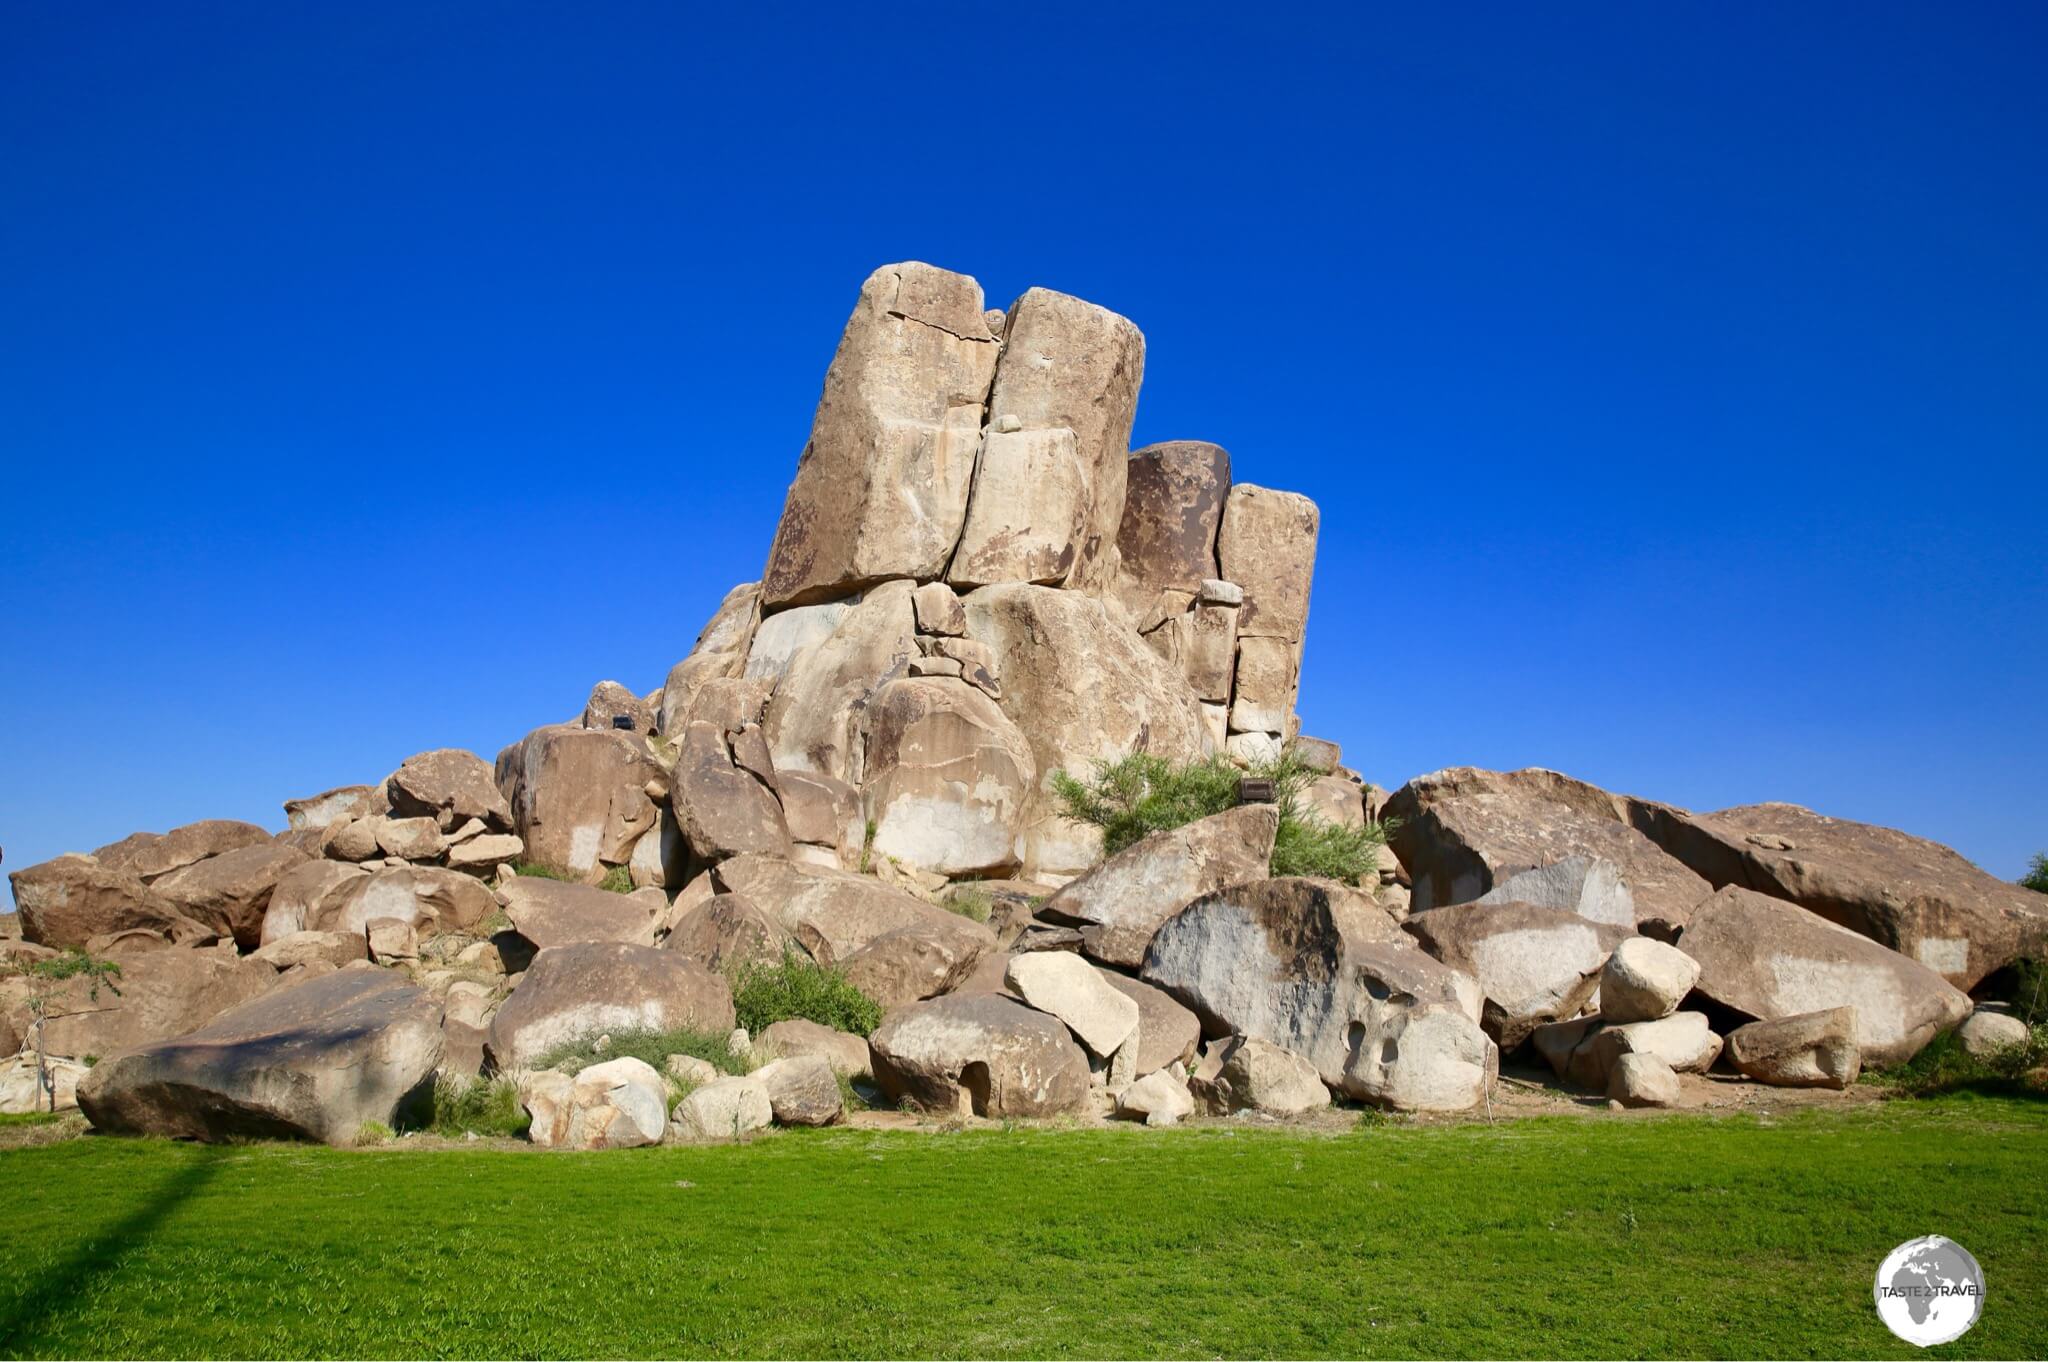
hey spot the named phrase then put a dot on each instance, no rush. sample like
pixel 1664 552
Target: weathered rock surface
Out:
pixel 984 1054
pixel 551 913
pixel 1806 1050
pixel 833 914
pixel 1462 831
pixel 68 901
pixel 720 654
pixel 1645 980
pixel 1173 511
pixel 949 778
pixel 561 783
pixel 1080 687
pixel 1917 897
pixel 1121 902
pixel 300 900
pixel 1986 1033
pixel 846 1053
pixel 338 805
pixel 230 892
pixel 726 931
pixel 816 719
pixel 1069 988
pixel 571 993
pixel 613 706
pixel 1643 1080
pixel 1534 965
pixel 149 855
pixel 164 993
pixel 1244 1073
pixel 1770 959
pixel 21 1085
pixel 304 948
pixel 1160 1098
pixel 451 787
pixel 619 1104
pixel 1586 885
pixel 1267 545
pixel 312 1061
pixel 723 1109
pixel 1168 1034
pixel 1317 969
pixel 432 899
pixel 911 963
pixel 881 490
pixel 1584 1051
pixel 722 810
pixel 802 1090
pixel 823 812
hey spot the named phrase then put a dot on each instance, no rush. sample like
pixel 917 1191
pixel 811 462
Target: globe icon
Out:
pixel 1929 1290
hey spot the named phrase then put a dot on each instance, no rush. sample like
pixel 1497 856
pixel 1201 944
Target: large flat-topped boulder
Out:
pixel 572 993
pixel 429 898
pixel 1081 687
pixel 68 901
pixel 1120 903
pixel 148 855
pixel 881 490
pixel 982 1055
pixel 230 892
pixel 566 784
pixel 1069 365
pixel 1915 896
pixel 949 778
pixel 552 913
pixel 313 1061
pixel 1311 967
pixel 1173 510
pixel 1769 959
pixel 1463 830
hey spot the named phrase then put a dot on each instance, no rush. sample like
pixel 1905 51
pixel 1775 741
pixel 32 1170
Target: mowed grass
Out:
pixel 1672 1236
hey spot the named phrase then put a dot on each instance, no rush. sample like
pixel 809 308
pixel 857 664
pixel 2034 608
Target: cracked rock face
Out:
pixel 1534 965
pixel 949 778
pixel 982 1054
pixel 1316 968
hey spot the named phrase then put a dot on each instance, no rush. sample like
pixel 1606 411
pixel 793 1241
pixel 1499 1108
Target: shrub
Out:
pixel 619 880
pixel 481 1106
pixel 372 1132
pixel 1142 794
pixel 799 987
pixel 1944 1066
pixel 971 904
pixel 2036 877
pixel 73 964
pixel 650 1045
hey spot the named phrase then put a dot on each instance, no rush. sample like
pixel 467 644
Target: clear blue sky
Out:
pixel 1673 378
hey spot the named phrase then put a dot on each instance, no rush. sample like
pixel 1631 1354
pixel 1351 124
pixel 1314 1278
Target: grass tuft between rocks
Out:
pixel 798 987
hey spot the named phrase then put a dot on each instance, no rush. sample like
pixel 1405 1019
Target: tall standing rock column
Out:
pixel 1049 491
pixel 882 488
pixel 1267 546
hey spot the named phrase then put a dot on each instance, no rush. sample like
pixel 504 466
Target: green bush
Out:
pixel 972 904
pixel 619 880
pixel 1944 1066
pixel 2036 877
pixel 652 1046
pixel 480 1106
pixel 1141 794
pixel 800 987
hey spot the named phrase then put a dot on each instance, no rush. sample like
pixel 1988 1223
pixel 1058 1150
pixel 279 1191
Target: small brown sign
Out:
pixel 1254 791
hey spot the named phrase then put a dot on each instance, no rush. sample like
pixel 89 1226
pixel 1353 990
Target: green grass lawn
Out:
pixel 1679 1236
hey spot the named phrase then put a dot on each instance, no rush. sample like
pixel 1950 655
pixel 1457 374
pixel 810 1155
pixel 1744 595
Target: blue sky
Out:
pixel 1671 377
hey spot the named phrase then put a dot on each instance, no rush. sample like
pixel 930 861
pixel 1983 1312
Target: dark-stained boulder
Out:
pixel 1315 967
pixel 1462 831
pixel 1534 965
pixel 301 897
pixel 562 784
pixel 984 1054
pixel 1915 896
pixel 571 993
pixel 1120 903
pixel 722 810
pixel 726 931
pixel 1173 510
pixel 68 901
pixel 1770 959
pixel 164 992
pixel 552 913
pixel 1267 546
pixel 910 963
pixel 310 1061
pixel 1168 1034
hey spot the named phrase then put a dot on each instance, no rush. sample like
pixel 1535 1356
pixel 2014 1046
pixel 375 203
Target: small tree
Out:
pixel 2036 877
pixel 72 964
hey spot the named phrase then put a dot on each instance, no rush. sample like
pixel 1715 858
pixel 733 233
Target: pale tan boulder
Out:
pixel 949 778
pixel 451 787
pixel 814 721
pixel 300 948
pixel 833 914
pixel 727 931
pixel 938 610
pixel 1643 1080
pixel 1589 886
pixel 356 839
pixel 1254 749
pixel 1120 903
pixel 1168 1034
pixel 231 891
pixel 720 653
pixel 410 839
pixel 1809 1050
pixel 691 1070
pixel 1462 831
pixel 1160 1098
pixel 1244 1073
pixel 1069 364
pixel 981 1054
pixel 1080 688
pixel 435 900
pixel 1267 545
pixel 486 851
pixel 723 1109
pixel 392 940
pixel 782 636
pixel 551 913
pixel 1770 959
pixel 1266 683
pixel 1173 510
pixel 619 1104
pixel 1644 980
pixel 1030 507
pixel 1533 965
pixel 313 1060
pixel 902 409
pixel 821 811
pixel 67 901
pixel 1335 800
pixel 847 1054
pixel 802 1090
pixel 573 993
pixel 21 1086
pixel 1986 1033
pixel 1069 988
pixel 613 706
pixel 150 855
pixel 1209 656
pixel 330 806
pixel 1583 1051
pixel 561 782
pixel 1315 968
pixel 720 809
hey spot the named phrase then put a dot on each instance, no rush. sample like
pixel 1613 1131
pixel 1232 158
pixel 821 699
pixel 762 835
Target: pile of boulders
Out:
pixel 974 586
